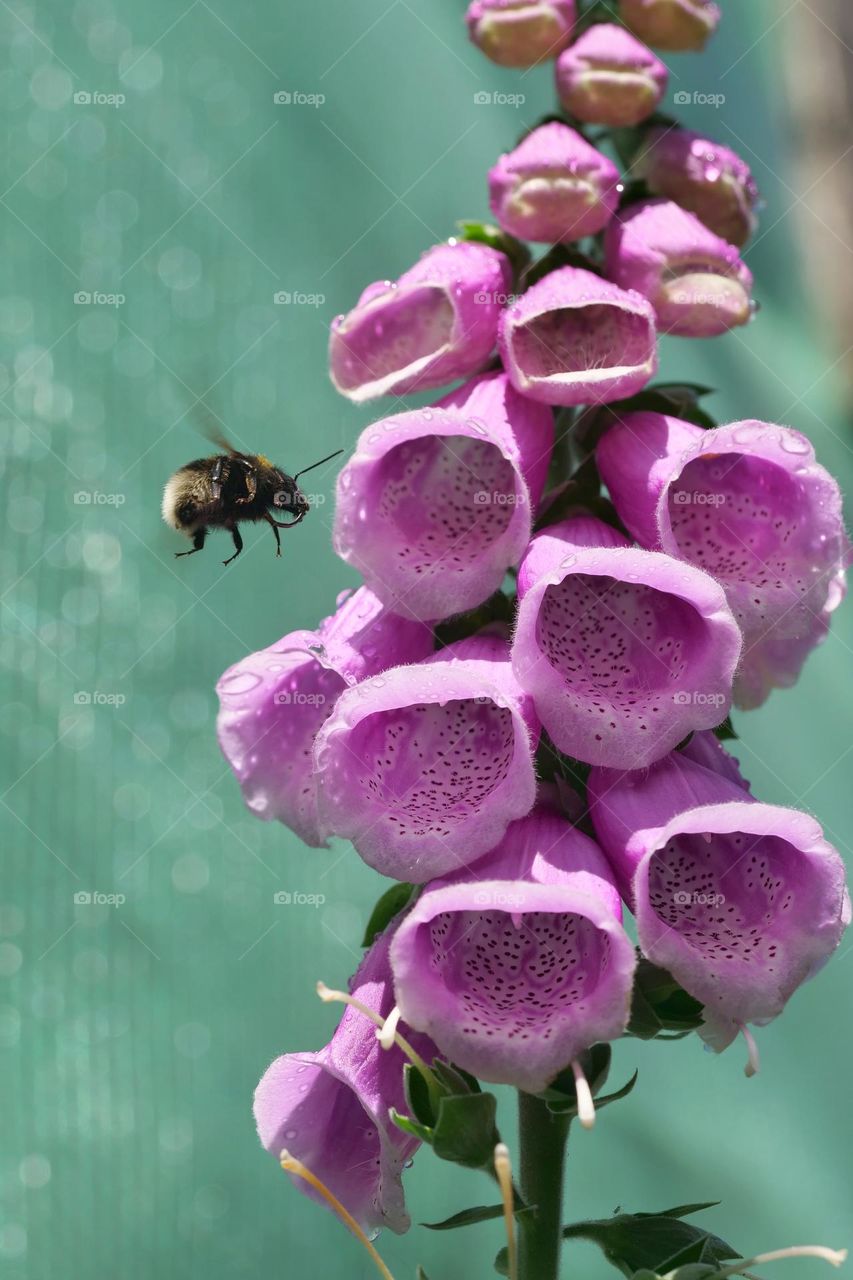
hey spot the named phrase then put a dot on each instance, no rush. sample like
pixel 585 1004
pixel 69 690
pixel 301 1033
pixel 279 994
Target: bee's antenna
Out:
pixel 317 464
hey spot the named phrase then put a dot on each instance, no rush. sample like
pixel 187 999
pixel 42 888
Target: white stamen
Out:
pixel 833 1256
pixel 753 1062
pixel 385 1027
pixel 586 1106
pixel 385 1034
pixel 291 1165
pixel 503 1172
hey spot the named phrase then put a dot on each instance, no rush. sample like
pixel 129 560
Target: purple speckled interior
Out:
pixel 749 523
pixel 432 766
pixel 441 498
pixel 518 979
pixel 621 647
pixel 733 898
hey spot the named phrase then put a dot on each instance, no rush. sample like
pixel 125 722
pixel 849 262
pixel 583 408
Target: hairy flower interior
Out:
pixel 516 977
pixel 391 337
pixel 583 340
pixel 621 648
pixel 440 500
pixel 429 767
pixel 732 897
pixel 749 523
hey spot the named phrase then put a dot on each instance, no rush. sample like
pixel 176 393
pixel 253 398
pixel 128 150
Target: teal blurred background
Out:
pixel 131 1036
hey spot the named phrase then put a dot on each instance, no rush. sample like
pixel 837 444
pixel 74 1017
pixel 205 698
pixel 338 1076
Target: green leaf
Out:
pixel 392 902
pixel 659 1004
pixel 467 1218
pixel 465 1132
pixel 682 1210
pixel 420 1131
pixel 655 1242
pixel 420 1274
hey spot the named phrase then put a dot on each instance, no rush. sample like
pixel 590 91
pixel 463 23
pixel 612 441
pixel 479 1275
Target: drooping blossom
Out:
pixel 272 703
pixel 521 33
pixel 703 176
pixel 625 651
pixel 610 77
pixel 436 503
pixel 749 504
pixel 678 25
pixel 520 963
pixel 553 187
pixel 741 901
pixel 696 281
pixel 574 338
pixel 424 767
pixel 435 324
pixel 330 1109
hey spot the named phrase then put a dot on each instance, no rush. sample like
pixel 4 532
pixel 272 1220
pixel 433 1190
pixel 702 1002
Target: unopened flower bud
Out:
pixel 520 33
pixel 610 77
pixel 678 25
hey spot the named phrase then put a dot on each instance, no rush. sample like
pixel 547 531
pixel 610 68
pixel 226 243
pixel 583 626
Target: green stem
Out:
pixel 542 1140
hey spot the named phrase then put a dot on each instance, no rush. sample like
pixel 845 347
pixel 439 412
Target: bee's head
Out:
pixel 286 495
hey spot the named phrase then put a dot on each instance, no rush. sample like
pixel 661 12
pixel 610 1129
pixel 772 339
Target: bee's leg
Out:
pixel 198 542
pixel 238 543
pixel 288 524
pixel 274 528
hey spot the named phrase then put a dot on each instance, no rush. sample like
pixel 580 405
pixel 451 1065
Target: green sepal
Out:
pixel 417 1095
pixel 453 1079
pixel 659 1004
pixel 465 1132
pixel 392 902
pixel 487 233
pixel 725 732
pixel 422 1132
pixel 498 608
pixel 677 399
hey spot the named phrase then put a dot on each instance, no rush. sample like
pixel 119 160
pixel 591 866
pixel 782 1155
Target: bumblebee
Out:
pixel 222 491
